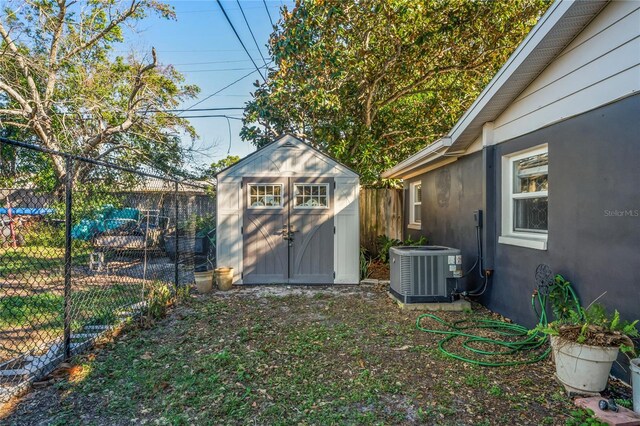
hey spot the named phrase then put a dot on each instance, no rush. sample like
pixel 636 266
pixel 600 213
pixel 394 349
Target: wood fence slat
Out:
pixel 380 214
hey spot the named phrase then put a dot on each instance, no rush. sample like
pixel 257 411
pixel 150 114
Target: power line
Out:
pixel 217 70
pixel 220 90
pixel 239 39
pixel 246 21
pixel 268 13
pixel 202 109
pixel 210 62
pixel 212 116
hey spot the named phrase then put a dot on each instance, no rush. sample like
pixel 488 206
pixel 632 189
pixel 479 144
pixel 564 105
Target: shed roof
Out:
pixel 560 24
pixel 283 140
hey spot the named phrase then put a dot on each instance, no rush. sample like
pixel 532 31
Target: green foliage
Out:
pixel 59 60
pixel 594 319
pixel 580 417
pixel 372 83
pixel 219 165
pixel 365 262
pixel 385 243
pixel 158 297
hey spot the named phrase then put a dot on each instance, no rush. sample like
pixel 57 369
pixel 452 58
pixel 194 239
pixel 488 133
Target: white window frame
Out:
pixel 249 206
pixel 413 223
pixel 533 240
pixel 295 188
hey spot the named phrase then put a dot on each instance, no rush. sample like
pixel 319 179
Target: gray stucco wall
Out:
pixel 594 170
pixel 594 212
pixel 449 197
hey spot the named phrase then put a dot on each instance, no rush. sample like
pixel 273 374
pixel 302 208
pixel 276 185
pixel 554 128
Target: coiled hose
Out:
pixel 518 339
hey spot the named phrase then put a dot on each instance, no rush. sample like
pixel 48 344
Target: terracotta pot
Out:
pixel 204 281
pixel 224 278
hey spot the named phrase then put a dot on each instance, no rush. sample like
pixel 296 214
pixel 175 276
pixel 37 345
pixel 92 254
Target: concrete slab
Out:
pixel 369 282
pixel 624 417
pixel 457 306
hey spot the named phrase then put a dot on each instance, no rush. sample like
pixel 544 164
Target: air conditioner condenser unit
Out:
pixel 421 274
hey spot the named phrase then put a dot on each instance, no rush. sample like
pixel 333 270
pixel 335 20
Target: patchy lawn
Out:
pixel 291 356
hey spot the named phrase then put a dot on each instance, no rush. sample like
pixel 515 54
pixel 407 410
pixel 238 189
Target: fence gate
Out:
pixel 288 230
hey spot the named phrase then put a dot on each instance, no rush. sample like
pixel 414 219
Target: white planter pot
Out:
pixel 635 382
pixel 204 281
pixel 582 368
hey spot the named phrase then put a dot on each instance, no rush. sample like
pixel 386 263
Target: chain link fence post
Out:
pixel 67 255
pixel 176 277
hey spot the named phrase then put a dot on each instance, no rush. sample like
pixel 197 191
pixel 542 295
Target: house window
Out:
pixel 525 187
pixel 311 196
pixel 265 195
pixel 415 199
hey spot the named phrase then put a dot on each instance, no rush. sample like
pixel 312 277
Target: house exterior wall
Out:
pixel 594 213
pixel 289 157
pixel 593 172
pixel 450 195
pixel 600 65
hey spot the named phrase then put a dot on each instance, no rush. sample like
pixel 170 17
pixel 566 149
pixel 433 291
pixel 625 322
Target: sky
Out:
pixel 202 45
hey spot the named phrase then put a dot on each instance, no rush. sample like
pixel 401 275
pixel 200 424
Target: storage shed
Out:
pixel 288 214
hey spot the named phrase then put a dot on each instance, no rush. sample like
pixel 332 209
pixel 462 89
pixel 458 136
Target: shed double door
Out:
pixel 288 230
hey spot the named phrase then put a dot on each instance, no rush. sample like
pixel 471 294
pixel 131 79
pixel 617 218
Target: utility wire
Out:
pixel 268 13
pixel 200 109
pixel 224 12
pixel 246 21
pixel 212 116
pixel 210 62
pixel 216 70
pixel 220 90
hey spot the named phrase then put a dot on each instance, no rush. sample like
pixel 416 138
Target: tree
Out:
pixel 62 84
pixel 216 166
pixel 373 81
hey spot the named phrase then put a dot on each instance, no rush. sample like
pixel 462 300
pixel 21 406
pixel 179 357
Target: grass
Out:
pixel 48 261
pixel 335 359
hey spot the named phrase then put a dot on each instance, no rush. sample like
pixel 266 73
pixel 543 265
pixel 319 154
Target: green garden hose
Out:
pixel 520 339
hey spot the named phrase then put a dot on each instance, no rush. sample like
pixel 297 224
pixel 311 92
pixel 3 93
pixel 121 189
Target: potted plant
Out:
pixel 585 341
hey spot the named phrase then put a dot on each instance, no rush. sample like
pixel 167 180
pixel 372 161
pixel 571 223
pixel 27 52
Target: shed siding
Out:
pixel 228 236
pixel 601 65
pixel 347 238
pixel 289 157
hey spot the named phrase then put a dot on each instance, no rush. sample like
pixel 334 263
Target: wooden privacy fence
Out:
pixel 380 214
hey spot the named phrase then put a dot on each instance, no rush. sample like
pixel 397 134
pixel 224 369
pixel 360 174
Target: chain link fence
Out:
pixel 81 253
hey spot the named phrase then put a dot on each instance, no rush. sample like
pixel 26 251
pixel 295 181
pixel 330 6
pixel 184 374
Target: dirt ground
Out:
pixel 291 355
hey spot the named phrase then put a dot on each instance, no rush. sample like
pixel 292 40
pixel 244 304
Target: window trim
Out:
pixel 249 206
pixel 413 224
pixel 293 196
pixel 529 239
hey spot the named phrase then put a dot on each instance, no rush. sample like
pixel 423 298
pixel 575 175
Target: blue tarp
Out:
pixel 26 211
pixel 106 219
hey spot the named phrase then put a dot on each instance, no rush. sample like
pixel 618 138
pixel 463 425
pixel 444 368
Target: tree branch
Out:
pixel 106 30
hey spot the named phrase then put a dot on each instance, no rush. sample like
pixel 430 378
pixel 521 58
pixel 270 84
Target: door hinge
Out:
pixel 242 229
pixel 334 274
pixel 334 230
pixel 334 184
pixel 241 184
pixel 242 274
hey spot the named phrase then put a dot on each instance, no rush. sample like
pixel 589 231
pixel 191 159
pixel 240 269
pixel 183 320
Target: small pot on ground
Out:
pixel 224 278
pixel 204 281
pixel 635 382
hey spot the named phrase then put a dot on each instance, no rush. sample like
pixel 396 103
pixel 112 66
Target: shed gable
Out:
pixel 287 156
